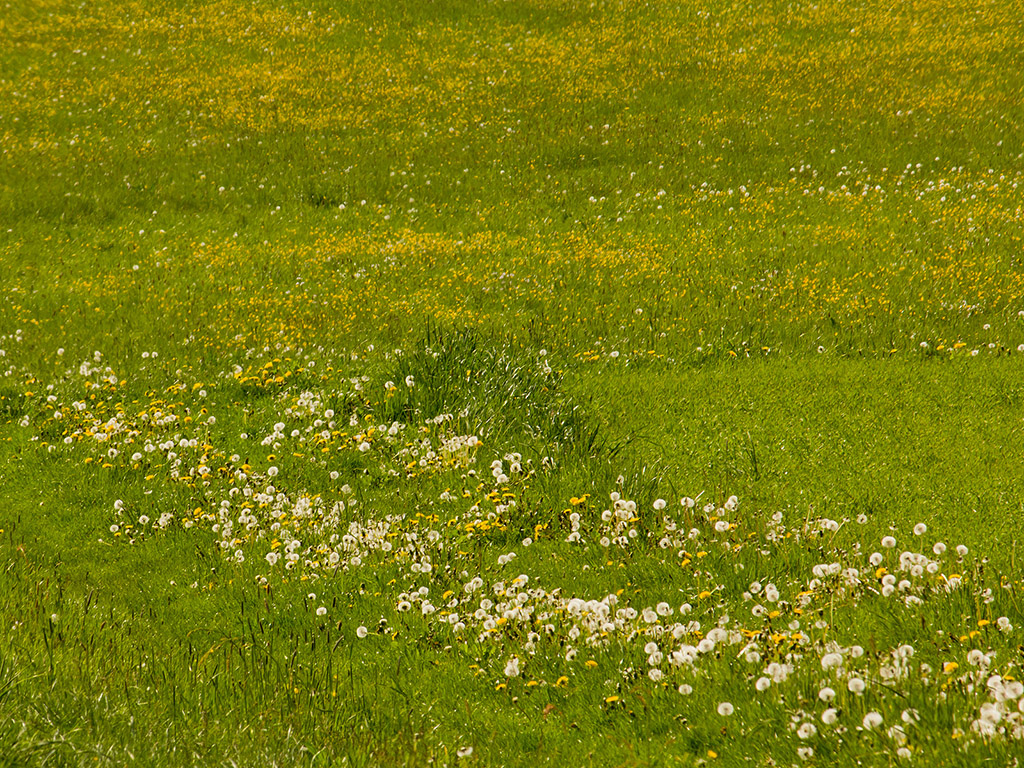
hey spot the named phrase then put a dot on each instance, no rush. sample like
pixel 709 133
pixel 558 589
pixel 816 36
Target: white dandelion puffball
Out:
pixel 872 720
pixel 512 667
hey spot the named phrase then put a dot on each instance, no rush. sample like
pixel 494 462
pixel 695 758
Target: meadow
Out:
pixel 537 382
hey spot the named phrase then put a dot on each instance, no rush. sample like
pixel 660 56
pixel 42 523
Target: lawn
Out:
pixel 511 383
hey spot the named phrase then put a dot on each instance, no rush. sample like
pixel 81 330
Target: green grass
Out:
pixel 414 292
pixel 898 440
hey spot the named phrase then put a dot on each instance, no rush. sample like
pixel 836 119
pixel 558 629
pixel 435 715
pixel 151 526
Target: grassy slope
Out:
pixel 538 171
pixel 903 441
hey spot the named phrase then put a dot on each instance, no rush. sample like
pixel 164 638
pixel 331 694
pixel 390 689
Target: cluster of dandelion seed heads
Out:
pixel 771 633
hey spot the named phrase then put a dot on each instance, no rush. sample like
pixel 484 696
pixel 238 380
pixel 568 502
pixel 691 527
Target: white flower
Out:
pixel 512 667
pixel 920 529
pixel 272 472
pixel 321 611
pixel 977 658
pixel 806 731
pixel 410 381
pixel 888 542
pixel 762 683
pixel 725 709
pixel 826 694
pixel 685 689
pixel 829 716
pixel 830 660
pixel 362 632
pixel 872 720
pixel 855 685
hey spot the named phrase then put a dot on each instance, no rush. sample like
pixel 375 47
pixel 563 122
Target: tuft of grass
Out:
pixel 496 387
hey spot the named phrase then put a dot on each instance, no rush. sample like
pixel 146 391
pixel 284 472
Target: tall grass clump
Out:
pixel 496 387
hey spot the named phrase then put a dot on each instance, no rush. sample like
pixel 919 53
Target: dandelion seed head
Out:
pixel 871 721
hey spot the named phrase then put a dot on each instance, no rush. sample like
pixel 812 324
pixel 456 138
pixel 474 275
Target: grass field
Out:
pixel 537 382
